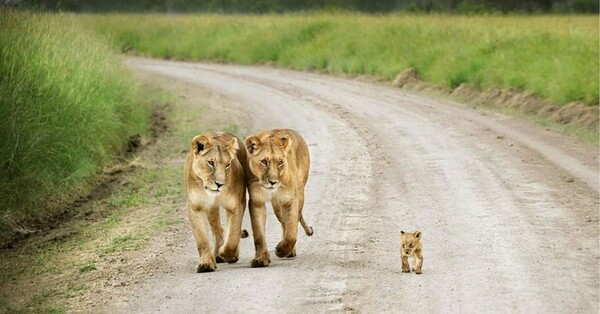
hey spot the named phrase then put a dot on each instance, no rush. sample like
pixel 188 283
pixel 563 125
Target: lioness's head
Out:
pixel 410 241
pixel 267 159
pixel 213 156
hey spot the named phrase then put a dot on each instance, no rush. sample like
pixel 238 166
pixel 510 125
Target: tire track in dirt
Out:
pixel 495 212
pixel 338 224
pixel 527 198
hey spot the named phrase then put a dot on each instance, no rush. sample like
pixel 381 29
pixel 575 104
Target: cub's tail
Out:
pixel 244 234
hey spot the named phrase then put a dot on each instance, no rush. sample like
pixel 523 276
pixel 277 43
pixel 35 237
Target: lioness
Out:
pixel 279 162
pixel 215 175
pixel 411 246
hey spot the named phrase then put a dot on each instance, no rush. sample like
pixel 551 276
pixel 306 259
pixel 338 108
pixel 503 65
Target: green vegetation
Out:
pixel 54 268
pixel 87 267
pixel 67 107
pixel 125 242
pixel 556 57
pixel 264 6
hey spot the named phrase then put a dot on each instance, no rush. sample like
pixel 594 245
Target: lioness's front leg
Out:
pixel 258 217
pixel 230 251
pixel 198 220
pixel 281 216
pixel 287 244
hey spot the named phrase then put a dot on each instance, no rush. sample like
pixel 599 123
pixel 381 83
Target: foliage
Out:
pixel 553 56
pixel 66 109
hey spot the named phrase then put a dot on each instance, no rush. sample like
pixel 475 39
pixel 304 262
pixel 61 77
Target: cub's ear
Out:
pixel 201 144
pixel 253 144
pixel 402 232
pixel 418 234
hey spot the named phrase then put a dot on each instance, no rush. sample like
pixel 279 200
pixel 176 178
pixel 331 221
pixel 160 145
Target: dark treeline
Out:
pixel 265 6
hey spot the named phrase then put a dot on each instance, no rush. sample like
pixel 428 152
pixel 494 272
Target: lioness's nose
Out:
pixel 273 182
pixel 219 184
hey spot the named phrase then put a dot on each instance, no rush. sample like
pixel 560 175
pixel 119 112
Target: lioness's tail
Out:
pixel 307 229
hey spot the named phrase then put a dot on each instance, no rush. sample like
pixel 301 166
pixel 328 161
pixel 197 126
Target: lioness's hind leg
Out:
pixel 280 216
pixel 307 229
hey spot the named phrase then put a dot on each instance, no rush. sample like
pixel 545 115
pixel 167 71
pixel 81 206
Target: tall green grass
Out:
pixel 556 57
pixel 67 108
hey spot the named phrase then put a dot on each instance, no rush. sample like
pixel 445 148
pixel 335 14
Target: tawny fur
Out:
pixel 411 246
pixel 215 175
pixel 279 163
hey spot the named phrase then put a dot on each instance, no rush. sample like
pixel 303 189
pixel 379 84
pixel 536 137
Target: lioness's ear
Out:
pixel 201 144
pixel 284 141
pixel 418 234
pixel 232 145
pixel 253 144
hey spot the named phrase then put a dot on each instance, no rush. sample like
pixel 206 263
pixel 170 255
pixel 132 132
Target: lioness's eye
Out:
pixel 280 163
pixel 211 163
pixel 227 166
pixel 264 162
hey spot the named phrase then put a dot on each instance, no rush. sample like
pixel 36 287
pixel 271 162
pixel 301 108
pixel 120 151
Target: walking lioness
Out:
pixel 215 176
pixel 279 162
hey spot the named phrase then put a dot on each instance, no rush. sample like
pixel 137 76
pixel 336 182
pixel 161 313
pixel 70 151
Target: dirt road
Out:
pixel 508 210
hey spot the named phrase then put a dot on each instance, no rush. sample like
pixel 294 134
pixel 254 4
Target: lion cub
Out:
pixel 411 245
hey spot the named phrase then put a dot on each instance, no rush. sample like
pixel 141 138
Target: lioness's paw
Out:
pixel 231 260
pixel 219 259
pixel 260 263
pixel 228 255
pixel 292 254
pixel 205 268
pixel 284 250
pixel 406 270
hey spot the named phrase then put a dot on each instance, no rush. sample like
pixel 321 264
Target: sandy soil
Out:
pixel 508 210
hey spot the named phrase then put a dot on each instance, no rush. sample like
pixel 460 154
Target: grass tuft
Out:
pixel 87 267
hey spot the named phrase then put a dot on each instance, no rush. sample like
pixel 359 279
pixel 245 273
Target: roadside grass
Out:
pixel 555 57
pixel 52 272
pixel 125 242
pixel 67 108
pixel 87 267
pixel 586 135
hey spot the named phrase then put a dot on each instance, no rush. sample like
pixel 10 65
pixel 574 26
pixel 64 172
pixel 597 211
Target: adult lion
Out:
pixel 279 162
pixel 215 176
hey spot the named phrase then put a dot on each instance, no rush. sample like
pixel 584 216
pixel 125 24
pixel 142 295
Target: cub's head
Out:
pixel 267 159
pixel 212 159
pixel 410 241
